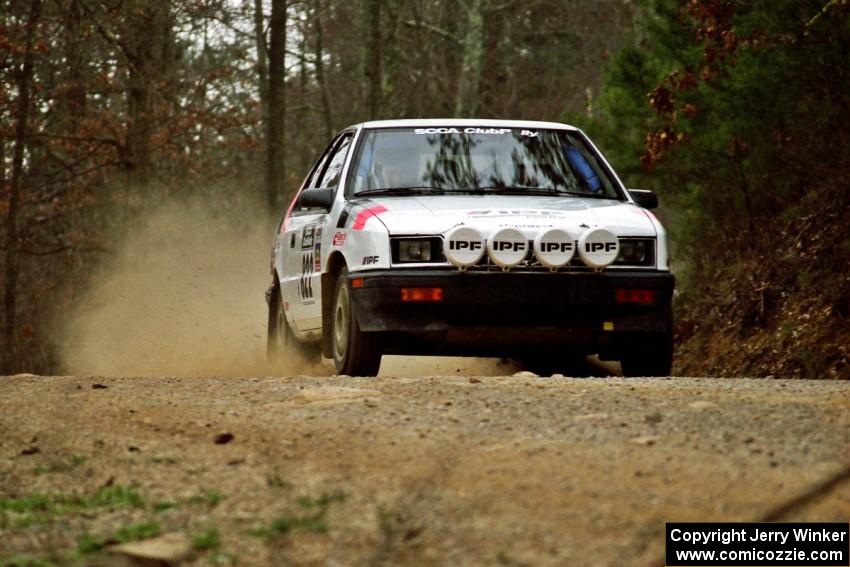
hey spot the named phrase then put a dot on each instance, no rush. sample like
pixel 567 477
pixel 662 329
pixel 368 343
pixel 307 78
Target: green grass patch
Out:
pixel 206 540
pixel 116 496
pixel 312 519
pixel 164 505
pixel 137 532
pixel 39 508
pixel 322 502
pixel 162 461
pixel 29 503
pixel 61 467
pixel 88 544
pixel 208 497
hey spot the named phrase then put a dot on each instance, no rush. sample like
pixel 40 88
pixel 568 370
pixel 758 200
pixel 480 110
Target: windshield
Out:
pixel 463 160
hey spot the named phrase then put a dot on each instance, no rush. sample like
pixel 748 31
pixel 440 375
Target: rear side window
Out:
pixel 332 173
pixel 316 174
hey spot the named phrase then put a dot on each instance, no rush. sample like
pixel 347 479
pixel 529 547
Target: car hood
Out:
pixel 438 214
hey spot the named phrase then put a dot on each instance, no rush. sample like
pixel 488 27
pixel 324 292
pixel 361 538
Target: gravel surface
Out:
pixel 443 470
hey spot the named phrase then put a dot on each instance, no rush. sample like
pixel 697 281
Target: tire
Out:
pixel 355 353
pixel 655 358
pixel 283 350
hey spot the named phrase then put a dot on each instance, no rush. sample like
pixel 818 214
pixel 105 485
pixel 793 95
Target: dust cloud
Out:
pixel 184 295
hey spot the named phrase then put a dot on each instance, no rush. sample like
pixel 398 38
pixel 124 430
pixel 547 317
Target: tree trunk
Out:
pixel 373 58
pixel 276 123
pixel 150 40
pixel 303 107
pixel 75 100
pixel 391 64
pixel 12 243
pixel 262 54
pixel 466 105
pixel 327 111
pixel 494 73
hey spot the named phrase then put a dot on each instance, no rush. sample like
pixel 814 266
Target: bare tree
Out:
pixel 262 57
pixel 473 47
pixel 149 43
pixel 12 244
pixel 276 122
pixel 373 62
pixel 327 111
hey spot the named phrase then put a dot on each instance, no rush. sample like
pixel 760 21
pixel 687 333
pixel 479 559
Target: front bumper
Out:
pixel 483 311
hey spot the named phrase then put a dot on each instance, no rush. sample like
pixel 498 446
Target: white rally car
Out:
pixel 470 237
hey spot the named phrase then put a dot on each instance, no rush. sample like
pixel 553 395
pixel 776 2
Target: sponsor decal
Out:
pixel 502 245
pixel 598 247
pixel 535 213
pixel 307 236
pixel 527 225
pixel 470 130
pixel 338 239
pixel 507 247
pixel 554 247
pixel 365 215
pixel 305 284
pixel 369 260
pixel 465 246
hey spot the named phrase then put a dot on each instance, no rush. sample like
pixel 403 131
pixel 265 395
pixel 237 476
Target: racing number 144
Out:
pixel 305 285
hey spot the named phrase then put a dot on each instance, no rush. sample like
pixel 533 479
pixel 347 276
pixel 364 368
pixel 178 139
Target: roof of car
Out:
pixel 462 122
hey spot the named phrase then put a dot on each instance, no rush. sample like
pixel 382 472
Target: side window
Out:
pixel 315 175
pixel 320 167
pixel 333 171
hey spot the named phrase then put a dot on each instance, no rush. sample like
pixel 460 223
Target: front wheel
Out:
pixel 654 358
pixel 355 353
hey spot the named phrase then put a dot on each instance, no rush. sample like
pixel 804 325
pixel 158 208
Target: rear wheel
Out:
pixel 283 350
pixel 355 353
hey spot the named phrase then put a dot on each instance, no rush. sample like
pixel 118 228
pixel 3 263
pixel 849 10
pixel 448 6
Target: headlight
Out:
pixel 414 250
pixel 636 252
pixel 632 251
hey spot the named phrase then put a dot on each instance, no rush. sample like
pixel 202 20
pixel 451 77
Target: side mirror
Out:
pixel 319 198
pixel 644 198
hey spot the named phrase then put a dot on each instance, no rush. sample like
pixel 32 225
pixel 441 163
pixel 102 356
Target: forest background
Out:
pixel 737 112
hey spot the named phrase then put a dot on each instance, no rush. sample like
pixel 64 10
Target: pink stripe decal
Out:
pixel 365 215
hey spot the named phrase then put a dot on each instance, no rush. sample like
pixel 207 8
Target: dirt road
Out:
pixel 448 470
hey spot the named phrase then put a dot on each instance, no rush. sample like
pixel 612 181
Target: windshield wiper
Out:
pixel 401 191
pixel 525 190
pixel 517 190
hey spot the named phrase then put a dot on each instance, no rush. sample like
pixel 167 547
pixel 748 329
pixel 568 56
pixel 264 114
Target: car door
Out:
pixel 302 244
